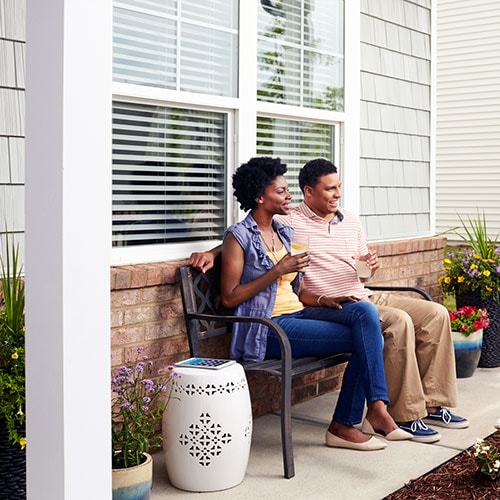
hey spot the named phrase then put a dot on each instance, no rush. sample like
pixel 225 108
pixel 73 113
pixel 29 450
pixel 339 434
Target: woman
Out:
pixel 261 278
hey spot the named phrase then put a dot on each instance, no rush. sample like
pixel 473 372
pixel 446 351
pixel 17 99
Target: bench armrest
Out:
pixel 388 288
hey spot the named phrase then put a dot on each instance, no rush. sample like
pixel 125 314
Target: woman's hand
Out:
pixel 293 263
pixel 233 261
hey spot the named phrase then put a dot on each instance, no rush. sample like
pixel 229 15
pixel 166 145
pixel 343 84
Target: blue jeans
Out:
pixel 319 331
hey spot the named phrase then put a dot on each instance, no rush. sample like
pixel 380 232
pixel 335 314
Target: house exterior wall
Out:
pixel 395 184
pixel 468 113
pixel 395 177
pixel 12 56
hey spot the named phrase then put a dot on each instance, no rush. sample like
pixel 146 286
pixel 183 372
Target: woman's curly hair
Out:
pixel 251 179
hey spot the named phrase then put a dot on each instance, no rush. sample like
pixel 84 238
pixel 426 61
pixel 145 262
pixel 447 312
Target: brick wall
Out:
pixel 416 262
pixel 146 311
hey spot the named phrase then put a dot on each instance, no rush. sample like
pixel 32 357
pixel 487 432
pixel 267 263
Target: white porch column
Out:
pixel 68 241
pixel 351 147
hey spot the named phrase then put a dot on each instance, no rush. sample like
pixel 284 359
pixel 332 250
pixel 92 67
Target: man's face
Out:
pixel 323 199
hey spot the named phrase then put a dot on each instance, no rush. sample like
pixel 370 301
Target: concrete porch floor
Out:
pixel 330 473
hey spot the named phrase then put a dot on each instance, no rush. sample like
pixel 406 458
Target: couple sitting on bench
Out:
pixel 327 309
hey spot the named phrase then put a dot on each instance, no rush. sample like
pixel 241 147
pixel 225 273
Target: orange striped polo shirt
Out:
pixel 332 247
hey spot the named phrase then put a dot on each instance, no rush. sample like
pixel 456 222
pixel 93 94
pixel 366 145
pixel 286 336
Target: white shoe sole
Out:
pixel 451 425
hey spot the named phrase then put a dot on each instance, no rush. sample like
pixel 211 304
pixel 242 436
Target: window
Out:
pixel 295 142
pixel 182 120
pixel 168 174
pixel 301 53
pixel 185 45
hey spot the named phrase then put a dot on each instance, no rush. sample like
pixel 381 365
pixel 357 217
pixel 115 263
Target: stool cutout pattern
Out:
pixel 205 439
pixel 209 389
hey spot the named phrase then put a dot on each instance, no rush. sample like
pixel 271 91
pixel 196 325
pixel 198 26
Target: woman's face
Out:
pixel 276 198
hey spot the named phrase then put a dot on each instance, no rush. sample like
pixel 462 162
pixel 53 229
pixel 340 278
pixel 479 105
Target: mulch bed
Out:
pixel 457 479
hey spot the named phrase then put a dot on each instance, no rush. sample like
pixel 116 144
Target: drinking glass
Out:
pixel 299 245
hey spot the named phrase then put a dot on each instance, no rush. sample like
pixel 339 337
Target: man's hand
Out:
pixel 336 302
pixel 203 261
pixel 372 261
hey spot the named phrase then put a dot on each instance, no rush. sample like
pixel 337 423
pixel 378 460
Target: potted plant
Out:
pixel 467 324
pixel 487 456
pixel 472 275
pixel 12 376
pixel 138 404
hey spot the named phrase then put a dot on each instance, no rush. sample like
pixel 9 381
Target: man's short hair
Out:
pixel 311 172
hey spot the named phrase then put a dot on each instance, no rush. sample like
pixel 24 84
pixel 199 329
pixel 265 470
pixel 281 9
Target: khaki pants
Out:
pixel 419 358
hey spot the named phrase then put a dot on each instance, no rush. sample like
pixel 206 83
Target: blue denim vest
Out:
pixel 249 340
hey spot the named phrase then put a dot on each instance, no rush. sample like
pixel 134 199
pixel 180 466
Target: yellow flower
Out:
pixel 486 273
pixel 447 280
pixel 447 261
pixel 460 279
pixel 473 266
pixel 440 279
pixel 14 355
pixel 489 289
pixel 22 442
pixel 20 412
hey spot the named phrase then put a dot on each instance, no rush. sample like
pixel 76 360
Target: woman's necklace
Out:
pixel 271 248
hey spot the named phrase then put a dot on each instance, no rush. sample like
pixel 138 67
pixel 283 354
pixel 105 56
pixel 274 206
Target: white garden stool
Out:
pixel 207 428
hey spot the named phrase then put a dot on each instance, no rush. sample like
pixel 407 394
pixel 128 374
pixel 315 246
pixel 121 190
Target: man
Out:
pixel 418 348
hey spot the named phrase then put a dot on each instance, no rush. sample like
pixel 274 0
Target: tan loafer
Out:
pixel 395 435
pixel 372 444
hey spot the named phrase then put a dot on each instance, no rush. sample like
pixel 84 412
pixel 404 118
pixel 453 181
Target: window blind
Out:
pixel 168 174
pixel 295 142
pixel 188 45
pixel 300 53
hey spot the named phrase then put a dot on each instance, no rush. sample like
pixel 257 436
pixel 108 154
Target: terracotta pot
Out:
pixel 467 352
pixel 134 483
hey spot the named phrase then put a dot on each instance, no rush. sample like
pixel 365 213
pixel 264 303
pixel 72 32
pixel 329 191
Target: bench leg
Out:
pixel 286 425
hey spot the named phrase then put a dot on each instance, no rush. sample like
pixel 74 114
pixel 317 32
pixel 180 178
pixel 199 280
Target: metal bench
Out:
pixel 205 319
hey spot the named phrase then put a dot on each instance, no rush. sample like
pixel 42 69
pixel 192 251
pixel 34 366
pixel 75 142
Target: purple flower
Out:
pixel 133 422
pixel 149 385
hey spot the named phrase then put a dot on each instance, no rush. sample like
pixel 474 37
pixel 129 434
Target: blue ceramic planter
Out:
pixel 134 483
pixel 467 352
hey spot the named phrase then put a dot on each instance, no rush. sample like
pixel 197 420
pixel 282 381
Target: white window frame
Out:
pixel 242 114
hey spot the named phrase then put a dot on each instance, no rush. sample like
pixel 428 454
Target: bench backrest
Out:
pixel 201 297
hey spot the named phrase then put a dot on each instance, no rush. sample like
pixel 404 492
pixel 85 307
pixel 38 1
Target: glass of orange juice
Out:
pixel 299 245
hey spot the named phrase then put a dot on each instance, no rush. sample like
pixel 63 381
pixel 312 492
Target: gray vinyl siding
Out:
pixel 395 161
pixel 12 75
pixel 468 113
